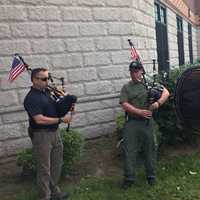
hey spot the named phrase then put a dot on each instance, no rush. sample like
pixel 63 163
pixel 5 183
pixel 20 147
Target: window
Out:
pixel 181 56
pixel 163 15
pixel 190 42
pixel 161 37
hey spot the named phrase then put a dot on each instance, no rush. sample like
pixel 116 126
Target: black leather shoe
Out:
pixel 151 181
pixel 60 196
pixel 127 184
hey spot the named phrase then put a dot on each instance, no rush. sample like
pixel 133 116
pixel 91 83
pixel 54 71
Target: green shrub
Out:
pixel 26 161
pixel 167 119
pixel 120 120
pixel 166 116
pixel 73 146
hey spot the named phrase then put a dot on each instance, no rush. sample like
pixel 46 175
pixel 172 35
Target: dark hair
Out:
pixel 35 72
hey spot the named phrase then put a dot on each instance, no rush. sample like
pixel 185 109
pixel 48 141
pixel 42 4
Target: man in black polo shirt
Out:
pixel 47 144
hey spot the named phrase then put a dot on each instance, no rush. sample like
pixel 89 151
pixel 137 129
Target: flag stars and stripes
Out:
pixel 17 68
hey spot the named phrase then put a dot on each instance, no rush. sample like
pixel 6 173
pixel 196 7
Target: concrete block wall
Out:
pixel 186 43
pixel 172 37
pixel 84 41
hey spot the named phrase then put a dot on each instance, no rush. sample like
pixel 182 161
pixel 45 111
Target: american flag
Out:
pixel 134 54
pixel 17 68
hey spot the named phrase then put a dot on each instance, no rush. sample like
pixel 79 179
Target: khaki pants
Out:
pixel 48 153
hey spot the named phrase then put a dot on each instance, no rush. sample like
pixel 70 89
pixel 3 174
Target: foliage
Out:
pixel 120 120
pixel 26 161
pixel 166 118
pixel 73 146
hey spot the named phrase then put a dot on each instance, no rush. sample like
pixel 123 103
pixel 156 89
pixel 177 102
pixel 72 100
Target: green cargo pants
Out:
pixel 48 152
pixel 139 135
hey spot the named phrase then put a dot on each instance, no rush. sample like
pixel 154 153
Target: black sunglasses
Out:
pixel 42 79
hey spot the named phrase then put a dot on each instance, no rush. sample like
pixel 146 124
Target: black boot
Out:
pixel 151 181
pixel 127 184
pixel 60 196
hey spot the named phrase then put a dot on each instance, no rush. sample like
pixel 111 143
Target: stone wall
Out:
pixel 195 36
pixel 172 37
pixel 85 41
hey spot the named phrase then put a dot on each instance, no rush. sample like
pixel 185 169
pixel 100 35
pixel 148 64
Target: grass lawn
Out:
pixel 99 176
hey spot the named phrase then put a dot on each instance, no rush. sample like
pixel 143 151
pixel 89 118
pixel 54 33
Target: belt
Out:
pixel 42 129
pixel 136 118
pixel 32 131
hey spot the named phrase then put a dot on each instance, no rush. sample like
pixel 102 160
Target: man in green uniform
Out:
pixel 139 129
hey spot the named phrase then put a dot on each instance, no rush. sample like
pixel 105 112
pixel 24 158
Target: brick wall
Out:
pixel 182 8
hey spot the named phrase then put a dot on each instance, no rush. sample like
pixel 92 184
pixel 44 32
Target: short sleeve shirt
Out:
pixel 39 102
pixel 134 93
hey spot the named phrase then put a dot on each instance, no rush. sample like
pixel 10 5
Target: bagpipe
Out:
pixel 154 89
pixel 64 102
